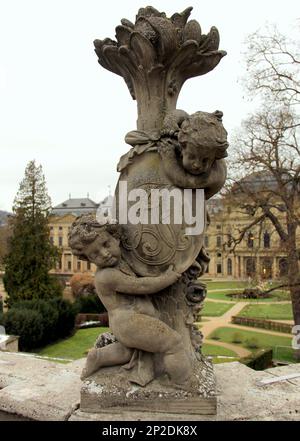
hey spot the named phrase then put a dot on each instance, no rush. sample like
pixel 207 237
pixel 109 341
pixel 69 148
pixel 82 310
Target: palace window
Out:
pixel 250 267
pixel 60 241
pixel 229 267
pixel 283 267
pixel 206 241
pixel 250 240
pixel 266 268
pixel 267 240
pixel 219 268
pixel 219 241
pixel 79 265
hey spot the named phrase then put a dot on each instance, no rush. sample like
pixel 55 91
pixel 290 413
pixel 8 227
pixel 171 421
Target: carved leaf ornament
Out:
pixel 157 46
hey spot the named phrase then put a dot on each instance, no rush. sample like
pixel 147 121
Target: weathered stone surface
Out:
pixel 155 56
pixel 149 257
pixel 38 389
pixel 242 399
pixel 9 343
pixel 10 417
pixel 239 397
pixel 110 391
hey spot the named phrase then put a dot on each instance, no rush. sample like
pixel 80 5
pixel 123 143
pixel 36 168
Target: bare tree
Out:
pixel 273 66
pixel 267 151
pixel 267 160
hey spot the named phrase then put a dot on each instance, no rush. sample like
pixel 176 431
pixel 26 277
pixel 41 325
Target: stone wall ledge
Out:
pixel 45 390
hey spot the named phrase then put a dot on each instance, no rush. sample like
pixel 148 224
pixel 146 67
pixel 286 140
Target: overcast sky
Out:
pixel 58 106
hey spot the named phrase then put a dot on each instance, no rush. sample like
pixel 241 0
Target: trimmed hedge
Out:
pixel 260 360
pixel 27 324
pixel 49 316
pixel 66 317
pixel 90 304
pixel 39 322
pixel 262 324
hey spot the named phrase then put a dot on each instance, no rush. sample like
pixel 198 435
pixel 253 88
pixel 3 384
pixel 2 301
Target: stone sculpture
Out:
pixel 147 272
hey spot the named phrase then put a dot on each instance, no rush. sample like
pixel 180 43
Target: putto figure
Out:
pixel 192 150
pixel 132 316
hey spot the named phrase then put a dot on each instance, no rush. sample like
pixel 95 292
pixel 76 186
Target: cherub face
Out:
pixel 197 159
pixel 104 251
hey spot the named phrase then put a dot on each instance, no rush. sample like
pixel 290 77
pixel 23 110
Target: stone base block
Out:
pixel 109 390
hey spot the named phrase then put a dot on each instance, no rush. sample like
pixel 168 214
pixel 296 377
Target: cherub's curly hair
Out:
pixel 206 127
pixel 85 229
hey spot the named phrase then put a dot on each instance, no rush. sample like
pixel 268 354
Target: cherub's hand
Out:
pixel 169 131
pixel 166 145
pixel 172 275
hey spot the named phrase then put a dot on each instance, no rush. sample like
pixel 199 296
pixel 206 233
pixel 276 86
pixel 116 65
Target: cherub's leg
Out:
pixel 178 365
pixel 110 355
pixel 153 335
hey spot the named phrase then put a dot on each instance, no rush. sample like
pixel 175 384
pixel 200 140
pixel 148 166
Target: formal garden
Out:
pixel 47 327
pixel 254 341
pixel 223 340
pixel 228 290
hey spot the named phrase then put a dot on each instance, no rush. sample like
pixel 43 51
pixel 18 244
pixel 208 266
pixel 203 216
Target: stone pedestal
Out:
pixel 110 391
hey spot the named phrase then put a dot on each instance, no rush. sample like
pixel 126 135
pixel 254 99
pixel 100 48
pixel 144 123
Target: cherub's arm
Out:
pixel 118 281
pixel 211 182
pixel 216 178
pixel 173 121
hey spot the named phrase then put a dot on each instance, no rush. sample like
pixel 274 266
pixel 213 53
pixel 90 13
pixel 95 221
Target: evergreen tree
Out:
pixel 31 254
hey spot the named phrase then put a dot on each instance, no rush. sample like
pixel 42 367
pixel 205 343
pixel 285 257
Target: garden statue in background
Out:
pixel 149 258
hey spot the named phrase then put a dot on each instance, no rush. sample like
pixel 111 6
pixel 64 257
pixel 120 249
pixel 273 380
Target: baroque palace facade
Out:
pixel 258 254
pixel 61 219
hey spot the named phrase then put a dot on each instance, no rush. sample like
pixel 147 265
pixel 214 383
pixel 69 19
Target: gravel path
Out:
pixel 241 352
pixel 225 320
pixel 213 323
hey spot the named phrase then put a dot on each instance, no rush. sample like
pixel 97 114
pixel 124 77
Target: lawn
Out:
pixel 271 312
pixel 220 291
pixel 210 349
pixel 261 340
pixel 219 353
pixel 226 285
pixel 73 347
pixel 213 309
